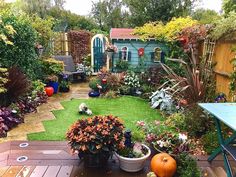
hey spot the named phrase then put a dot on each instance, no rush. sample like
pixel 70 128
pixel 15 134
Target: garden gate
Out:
pixel 98 57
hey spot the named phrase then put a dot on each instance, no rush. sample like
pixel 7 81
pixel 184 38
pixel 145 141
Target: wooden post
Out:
pixel 66 44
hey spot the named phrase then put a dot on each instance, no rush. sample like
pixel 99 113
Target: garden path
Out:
pixel 33 121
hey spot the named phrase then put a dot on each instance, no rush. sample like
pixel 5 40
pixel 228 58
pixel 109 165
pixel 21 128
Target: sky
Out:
pixel 83 7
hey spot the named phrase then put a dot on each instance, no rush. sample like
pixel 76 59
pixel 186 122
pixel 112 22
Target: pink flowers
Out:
pixel 140 123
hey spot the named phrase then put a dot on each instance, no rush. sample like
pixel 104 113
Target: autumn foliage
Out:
pixel 80 44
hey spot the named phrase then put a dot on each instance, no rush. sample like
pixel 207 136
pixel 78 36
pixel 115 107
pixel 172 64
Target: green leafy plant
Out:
pixel 187 166
pixel 22 52
pixel 3 79
pixel 93 83
pixel 52 66
pixel 122 65
pixel 210 141
pixel 177 121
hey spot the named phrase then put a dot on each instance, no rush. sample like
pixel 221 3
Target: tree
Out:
pixel 157 10
pixel 109 14
pixel 229 6
pixel 71 21
pixel 205 16
pixel 39 7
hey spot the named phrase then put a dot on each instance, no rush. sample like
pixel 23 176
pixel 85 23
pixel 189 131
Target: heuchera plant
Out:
pixel 8 120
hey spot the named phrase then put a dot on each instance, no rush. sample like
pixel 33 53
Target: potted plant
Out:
pixel 95 85
pixel 52 81
pixel 132 156
pixel 64 86
pixel 95 138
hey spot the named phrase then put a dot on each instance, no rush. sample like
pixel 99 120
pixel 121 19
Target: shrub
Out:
pixel 210 141
pixel 3 79
pixel 198 122
pixel 122 65
pixel 113 82
pixel 93 83
pixel 187 166
pixel 124 90
pixel 96 134
pixel 22 52
pixel 177 121
pixel 52 66
pixel 17 85
pixel 110 95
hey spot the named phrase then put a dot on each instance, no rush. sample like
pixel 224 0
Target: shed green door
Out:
pixel 98 54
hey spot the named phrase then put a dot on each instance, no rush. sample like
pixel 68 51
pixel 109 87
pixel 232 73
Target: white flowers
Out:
pixel 132 80
pixel 182 137
pixel 163 143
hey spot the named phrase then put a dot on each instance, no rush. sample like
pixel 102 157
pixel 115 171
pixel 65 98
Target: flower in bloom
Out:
pixel 140 123
pixel 150 137
pixel 182 137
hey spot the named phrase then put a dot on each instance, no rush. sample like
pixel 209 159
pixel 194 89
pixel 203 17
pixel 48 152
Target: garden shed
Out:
pixel 132 49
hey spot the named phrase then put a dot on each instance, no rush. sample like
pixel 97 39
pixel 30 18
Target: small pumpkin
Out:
pixel 163 165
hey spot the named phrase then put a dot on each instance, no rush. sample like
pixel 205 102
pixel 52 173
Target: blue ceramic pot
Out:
pixel 54 85
pixel 94 94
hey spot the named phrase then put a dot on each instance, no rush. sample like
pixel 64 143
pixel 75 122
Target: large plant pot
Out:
pixel 94 94
pixel 95 160
pixel 54 85
pixel 133 164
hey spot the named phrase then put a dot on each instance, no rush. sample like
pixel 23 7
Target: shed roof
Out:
pixel 122 33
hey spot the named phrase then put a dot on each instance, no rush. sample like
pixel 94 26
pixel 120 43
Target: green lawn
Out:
pixel 130 109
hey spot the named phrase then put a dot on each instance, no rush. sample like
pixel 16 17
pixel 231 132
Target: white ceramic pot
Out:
pixel 133 164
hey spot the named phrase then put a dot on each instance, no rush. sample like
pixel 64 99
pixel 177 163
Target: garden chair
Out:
pixel 70 68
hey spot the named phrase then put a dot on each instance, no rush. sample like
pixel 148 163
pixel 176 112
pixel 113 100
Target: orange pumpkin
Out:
pixel 163 165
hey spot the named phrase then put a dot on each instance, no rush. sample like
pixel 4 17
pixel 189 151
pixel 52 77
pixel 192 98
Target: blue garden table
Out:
pixel 226 113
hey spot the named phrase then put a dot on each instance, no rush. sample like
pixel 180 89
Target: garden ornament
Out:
pixel 83 109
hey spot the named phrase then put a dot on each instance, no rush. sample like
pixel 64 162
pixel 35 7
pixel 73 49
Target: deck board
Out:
pixel 39 171
pixel 52 171
pixel 53 159
pixel 65 171
pixel 25 171
pixel 12 171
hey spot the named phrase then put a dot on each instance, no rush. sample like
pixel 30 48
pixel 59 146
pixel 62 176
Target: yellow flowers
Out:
pixel 159 31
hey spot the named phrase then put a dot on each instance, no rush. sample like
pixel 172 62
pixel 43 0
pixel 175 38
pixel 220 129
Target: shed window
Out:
pixel 157 54
pixel 124 53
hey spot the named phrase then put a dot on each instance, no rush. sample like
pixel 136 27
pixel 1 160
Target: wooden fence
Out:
pixel 222 56
pixel 61 44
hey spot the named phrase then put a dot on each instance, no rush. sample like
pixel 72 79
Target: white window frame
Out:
pixel 127 53
pixel 154 59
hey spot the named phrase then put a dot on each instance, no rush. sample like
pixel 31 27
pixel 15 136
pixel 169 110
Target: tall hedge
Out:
pixel 80 44
pixel 22 53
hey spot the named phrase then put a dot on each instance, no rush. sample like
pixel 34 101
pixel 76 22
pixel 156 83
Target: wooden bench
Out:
pixel 70 68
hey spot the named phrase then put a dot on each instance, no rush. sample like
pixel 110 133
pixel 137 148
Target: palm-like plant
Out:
pixel 194 84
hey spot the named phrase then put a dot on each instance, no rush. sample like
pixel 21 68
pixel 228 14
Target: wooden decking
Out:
pixel 53 159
